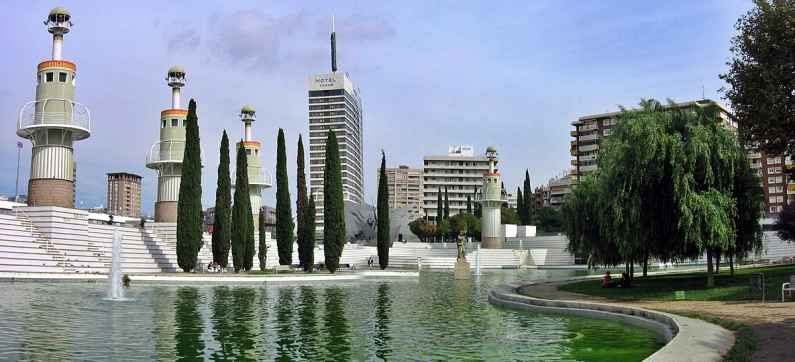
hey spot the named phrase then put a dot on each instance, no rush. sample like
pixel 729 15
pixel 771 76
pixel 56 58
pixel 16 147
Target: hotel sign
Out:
pixel 325 81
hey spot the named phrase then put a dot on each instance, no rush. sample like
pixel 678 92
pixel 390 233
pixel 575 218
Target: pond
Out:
pixel 430 318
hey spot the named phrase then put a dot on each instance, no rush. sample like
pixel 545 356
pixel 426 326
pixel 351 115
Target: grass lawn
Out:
pixel 694 285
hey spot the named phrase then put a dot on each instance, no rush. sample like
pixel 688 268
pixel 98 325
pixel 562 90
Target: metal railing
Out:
pixel 70 114
pixel 169 151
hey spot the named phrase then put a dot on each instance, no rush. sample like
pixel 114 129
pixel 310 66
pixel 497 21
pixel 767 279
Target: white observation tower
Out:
pixel 53 122
pixel 258 178
pixel 165 155
pixel 491 201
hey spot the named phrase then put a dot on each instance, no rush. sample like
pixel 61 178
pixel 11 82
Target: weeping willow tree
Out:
pixel 673 184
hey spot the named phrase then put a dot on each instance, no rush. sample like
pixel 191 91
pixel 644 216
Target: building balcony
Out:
pixel 54 114
pixel 588 168
pixel 590 137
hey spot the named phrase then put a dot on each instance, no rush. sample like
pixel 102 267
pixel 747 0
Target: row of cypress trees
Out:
pixel 233 227
pixel 525 204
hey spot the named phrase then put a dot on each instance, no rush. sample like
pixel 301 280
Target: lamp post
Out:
pixel 16 189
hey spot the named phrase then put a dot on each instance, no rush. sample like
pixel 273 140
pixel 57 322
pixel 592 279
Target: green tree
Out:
pixel 785 223
pixel 189 206
pixel 583 220
pixel 761 77
pixel 309 248
pixel 665 188
pixel 520 208
pixel 749 195
pixel 509 216
pixel 443 229
pixel 528 201
pixel 467 223
pixel 446 204
pixel 439 205
pixel 549 219
pixel 263 246
pixel 223 205
pixel 469 204
pixel 333 205
pixel 284 214
pixel 417 228
pixel 300 206
pixel 383 215
pixel 478 212
pixel 242 219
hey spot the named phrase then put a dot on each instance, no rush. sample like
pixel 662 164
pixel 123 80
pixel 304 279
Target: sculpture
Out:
pixel 460 243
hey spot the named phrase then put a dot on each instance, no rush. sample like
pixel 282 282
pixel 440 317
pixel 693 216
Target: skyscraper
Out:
pixel 335 103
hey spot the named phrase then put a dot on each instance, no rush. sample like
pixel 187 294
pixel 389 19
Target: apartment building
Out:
pixel 460 172
pixel 124 194
pixel 405 188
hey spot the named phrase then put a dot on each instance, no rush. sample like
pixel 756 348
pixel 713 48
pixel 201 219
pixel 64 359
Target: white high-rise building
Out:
pixel 335 104
pixel 460 172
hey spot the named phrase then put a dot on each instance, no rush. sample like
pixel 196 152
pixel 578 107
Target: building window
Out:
pixel 49 76
pixel 174 122
pixel 62 77
pixel 164 123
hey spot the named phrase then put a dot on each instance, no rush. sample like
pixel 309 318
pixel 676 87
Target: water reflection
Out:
pixel 307 323
pixel 335 327
pixel 433 318
pixel 382 307
pixel 189 327
pixel 284 320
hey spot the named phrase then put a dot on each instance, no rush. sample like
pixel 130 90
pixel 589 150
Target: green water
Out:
pixel 433 318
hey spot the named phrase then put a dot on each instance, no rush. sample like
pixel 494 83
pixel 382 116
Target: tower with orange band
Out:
pixel 53 122
pixel 258 177
pixel 491 201
pixel 165 155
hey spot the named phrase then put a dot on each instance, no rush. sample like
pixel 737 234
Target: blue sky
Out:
pixel 510 74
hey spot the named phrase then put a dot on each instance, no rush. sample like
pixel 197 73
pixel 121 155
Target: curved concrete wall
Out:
pixel 687 339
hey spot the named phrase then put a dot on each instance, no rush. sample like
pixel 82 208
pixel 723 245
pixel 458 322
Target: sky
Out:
pixel 431 73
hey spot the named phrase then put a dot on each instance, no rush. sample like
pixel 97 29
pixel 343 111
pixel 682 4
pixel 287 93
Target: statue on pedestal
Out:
pixel 462 255
pixel 461 271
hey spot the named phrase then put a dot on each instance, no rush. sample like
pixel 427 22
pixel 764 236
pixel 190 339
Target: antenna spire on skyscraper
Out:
pixel 333 46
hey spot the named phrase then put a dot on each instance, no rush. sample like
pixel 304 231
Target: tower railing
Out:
pixel 68 114
pixel 168 151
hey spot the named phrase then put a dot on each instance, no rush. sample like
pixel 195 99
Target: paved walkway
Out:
pixel 773 322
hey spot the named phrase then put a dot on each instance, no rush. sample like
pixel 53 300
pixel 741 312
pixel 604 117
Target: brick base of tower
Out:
pixel 51 192
pixel 166 211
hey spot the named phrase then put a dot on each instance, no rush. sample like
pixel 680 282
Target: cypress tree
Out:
pixel 300 205
pixel 250 249
pixel 309 219
pixel 223 204
pixel 333 206
pixel 383 215
pixel 446 204
pixel 284 214
pixel 242 220
pixel 263 246
pixel 189 206
pixel 439 206
pixel 529 203
pixel 469 204
pixel 520 207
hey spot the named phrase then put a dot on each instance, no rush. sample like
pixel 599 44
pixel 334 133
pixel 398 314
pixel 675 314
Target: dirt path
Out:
pixel 773 323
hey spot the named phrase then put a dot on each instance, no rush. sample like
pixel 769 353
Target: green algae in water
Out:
pixel 433 318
